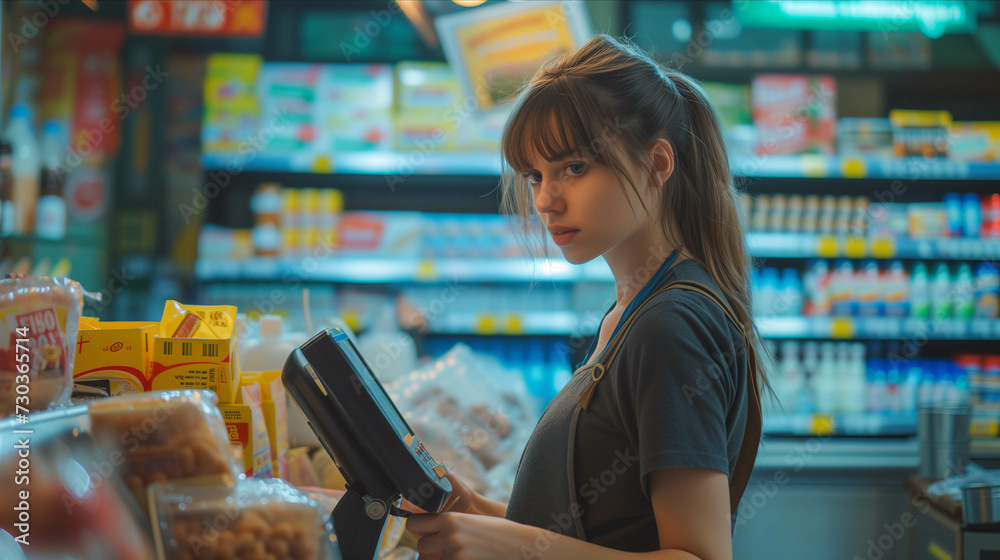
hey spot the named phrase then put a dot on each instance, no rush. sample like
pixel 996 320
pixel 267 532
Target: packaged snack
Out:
pixel 248 432
pixel 920 133
pixel 864 137
pixel 39 319
pixel 794 114
pixel 274 405
pixel 257 519
pixel 205 359
pixel 974 141
pixel 160 436
pixel 114 356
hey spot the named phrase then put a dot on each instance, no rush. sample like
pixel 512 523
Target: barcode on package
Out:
pixel 168 348
pixel 186 349
pixel 210 350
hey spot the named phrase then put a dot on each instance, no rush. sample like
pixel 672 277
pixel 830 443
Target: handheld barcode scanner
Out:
pixel 366 436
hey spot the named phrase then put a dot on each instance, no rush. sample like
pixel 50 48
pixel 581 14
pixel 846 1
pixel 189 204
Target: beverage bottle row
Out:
pixel 31 177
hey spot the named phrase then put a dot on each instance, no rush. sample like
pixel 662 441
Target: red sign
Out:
pixel 206 18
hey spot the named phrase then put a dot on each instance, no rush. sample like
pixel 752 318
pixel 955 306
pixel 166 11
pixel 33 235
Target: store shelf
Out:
pixel 488 163
pixel 878 328
pixel 398 270
pixel 801 245
pixel 862 424
pixel 537 323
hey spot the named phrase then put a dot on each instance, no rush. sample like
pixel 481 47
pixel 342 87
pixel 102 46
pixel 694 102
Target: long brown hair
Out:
pixel 611 102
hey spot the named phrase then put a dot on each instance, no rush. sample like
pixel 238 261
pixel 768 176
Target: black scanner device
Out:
pixel 369 440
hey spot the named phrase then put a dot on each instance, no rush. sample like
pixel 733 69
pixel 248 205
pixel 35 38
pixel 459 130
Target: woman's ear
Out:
pixel 662 155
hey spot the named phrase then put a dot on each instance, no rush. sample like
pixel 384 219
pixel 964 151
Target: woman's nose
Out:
pixel 548 197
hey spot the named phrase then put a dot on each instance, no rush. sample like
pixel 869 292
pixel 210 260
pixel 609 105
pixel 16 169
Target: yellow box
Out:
pixel 416 132
pixel 274 404
pixel 116 352
pixel 248 432
pixel 199 363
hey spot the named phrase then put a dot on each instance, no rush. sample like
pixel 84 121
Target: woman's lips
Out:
pixel 564 237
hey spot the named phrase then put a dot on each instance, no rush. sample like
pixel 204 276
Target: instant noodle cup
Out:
pixel 39 319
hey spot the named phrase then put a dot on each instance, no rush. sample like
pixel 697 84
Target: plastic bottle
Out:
pixel 266 204
pixel 843 295
pixel 791 376
pixel 791 293
pixel 896 290
pixel 826 381
pixel 941 304
pixel 877 390
pixel 856 389
pixel 926 389
pixel 25 167
pixel 987 305
pixel 920 293
pixel 893 380
pixel 6 190
pixel 269 352
pixel 972 217
pixel 815 284
pixel 51 218
pixel 769 294
pixel 390 352
pixel 842 373
pixel 953 214
pixel 870 302
pixel 909 384
pixel 964 296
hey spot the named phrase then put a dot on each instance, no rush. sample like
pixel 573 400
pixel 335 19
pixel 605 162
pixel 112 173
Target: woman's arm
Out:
pixel 691 505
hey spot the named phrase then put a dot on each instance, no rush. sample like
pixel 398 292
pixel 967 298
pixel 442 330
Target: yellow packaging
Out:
pixel 115 352
pixel 274 405
pixel 425 133
pixel 248 431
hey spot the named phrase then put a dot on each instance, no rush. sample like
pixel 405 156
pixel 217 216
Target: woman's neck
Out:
pixel 634 261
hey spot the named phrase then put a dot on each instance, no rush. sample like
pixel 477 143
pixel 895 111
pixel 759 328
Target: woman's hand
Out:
pixel 456 536
pixel 463 499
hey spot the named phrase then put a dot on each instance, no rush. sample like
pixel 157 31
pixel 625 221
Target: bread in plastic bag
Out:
pixel 258 519
pixel 163 435
pixel 472 414
pixel 39 320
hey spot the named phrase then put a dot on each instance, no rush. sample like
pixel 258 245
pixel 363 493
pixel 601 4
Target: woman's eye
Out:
pixel 577 168
pixel 534 178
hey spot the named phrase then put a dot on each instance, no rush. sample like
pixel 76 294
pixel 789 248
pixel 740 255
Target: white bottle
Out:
pixel 269 352
pixel 792 376
pixel 826 381
pixel 51 214
pixel 390 352
pixel 25 167
pixel 856 390
pixel 843 376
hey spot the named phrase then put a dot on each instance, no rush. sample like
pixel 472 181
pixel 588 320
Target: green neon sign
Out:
pixel 933 19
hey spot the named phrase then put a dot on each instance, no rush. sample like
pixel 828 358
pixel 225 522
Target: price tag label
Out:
pixel 322 164
pixel 821 425
pixel 826 247
pixel 883 248
pixel 842 327
pixel 486 323
pixel 514 325
pixel 984 428
pixel 853 168
pixel 813 166
pixel 426 271
pixel 855 248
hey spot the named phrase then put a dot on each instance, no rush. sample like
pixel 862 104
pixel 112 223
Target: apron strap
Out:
pixel 740 476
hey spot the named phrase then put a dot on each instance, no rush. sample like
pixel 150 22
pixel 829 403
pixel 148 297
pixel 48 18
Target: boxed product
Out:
pixel 427 87
pixel 196 349
pixel 231 108
pixel 864 137
pixel 794 114
pixel 248 433
pixel 920 133
pixel 424 133
pixel 974 141
pixel 164 435
pixel 732 101
pixel 354 104
pixel 39 318
pixel 274 404
pixel 256 519
pixel 114 356
pixel 289 89
pixel 381 234
pixel 926 219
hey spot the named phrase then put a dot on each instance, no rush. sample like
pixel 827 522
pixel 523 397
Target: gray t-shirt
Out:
pixel 675 396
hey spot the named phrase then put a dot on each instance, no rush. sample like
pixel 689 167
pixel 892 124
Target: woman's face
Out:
pixel 585 209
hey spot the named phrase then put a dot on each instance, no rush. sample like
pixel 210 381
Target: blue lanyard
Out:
pixel 634 304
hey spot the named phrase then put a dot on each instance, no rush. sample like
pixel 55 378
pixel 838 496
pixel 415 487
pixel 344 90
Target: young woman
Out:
pixel 647 450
